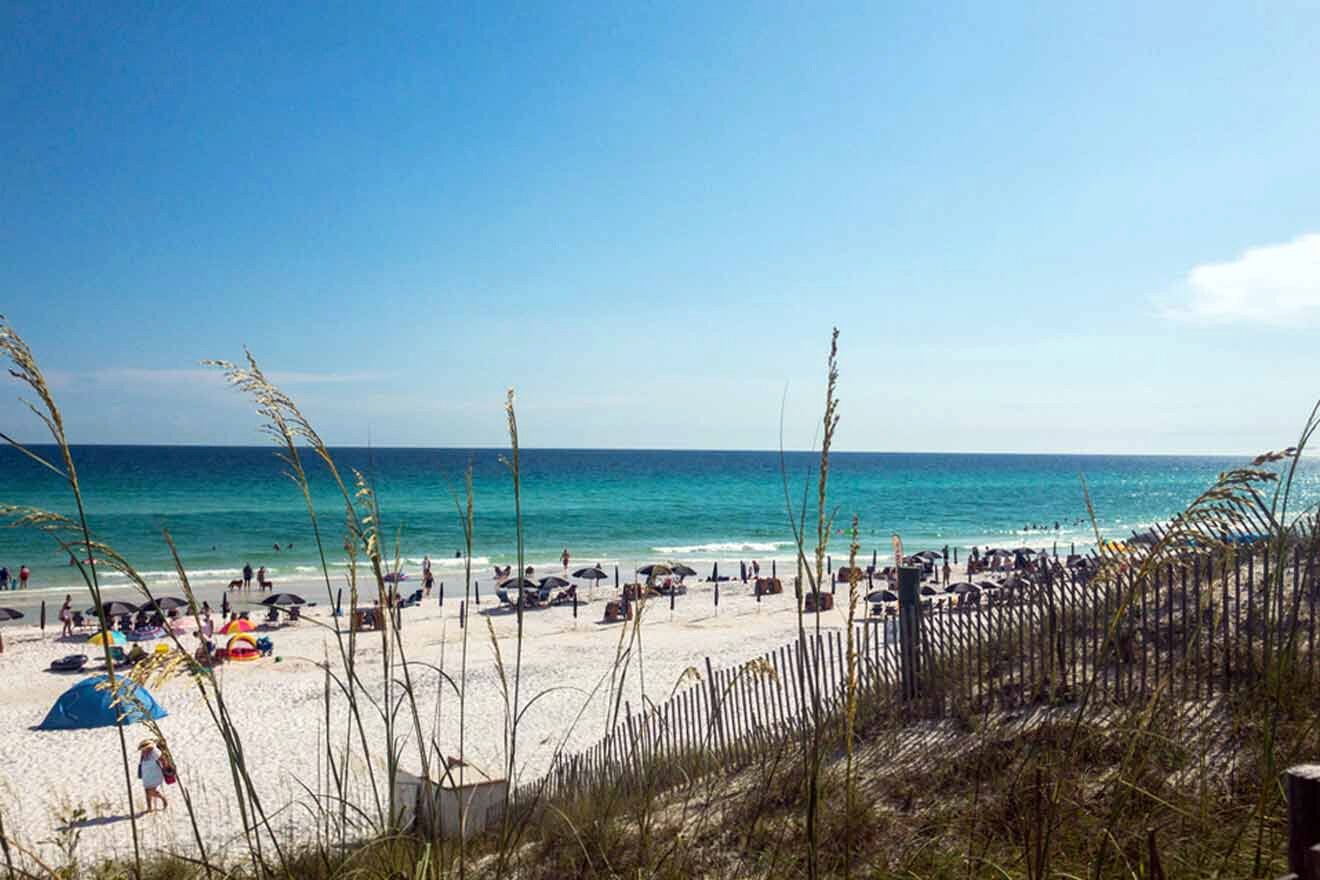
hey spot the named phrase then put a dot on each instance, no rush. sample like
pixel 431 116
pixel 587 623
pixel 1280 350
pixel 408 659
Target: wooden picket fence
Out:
pixel 1200 626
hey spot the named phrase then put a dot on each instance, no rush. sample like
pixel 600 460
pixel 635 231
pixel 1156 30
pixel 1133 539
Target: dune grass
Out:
pixel 1080 788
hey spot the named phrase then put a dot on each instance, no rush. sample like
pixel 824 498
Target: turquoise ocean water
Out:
pixel 228 505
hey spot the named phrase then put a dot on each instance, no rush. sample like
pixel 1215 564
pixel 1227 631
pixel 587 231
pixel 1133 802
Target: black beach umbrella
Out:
pixel 715 572
pixel 554 582
pixel 519 582
pixel 10 614
pixel 962 587
pixel 283 599
pixel 988 585
pixel 682 570
pixel 655 569
pixel 881 596
pixel 929 591
pixel 115 609
pixel 165 603
pixel 592 573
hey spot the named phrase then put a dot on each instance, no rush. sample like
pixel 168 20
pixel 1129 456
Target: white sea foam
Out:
pixel 726 547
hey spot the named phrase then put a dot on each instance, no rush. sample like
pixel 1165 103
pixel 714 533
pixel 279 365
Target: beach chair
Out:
pixel 503 596
pixel 295 614
pixel 272 616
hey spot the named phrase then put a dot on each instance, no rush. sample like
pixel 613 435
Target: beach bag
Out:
pixel 167 770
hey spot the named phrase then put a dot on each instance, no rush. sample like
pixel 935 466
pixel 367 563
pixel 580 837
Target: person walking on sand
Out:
pixel 247 575
pixel 564 559
pixel 151 770
pixel 66 616
pixel 23 575
pixel 428 580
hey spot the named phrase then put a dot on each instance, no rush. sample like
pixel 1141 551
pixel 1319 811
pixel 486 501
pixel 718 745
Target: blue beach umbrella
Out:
pixel 88 704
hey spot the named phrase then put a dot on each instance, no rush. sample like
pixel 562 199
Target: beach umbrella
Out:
pixel 592 573
pixel 284 599
pixel 988 585
pixel 114 636
pixel 90 703
pixel 655 569
pixel 519 582
pixel 929 591
pixel 10 614
pixel 928 554
pixel 554 582
pixel 682 570
pixel 962 587
pixel 115 609
pixel 236 626
pixel 166 603
pixel 715 572
pixel 881 596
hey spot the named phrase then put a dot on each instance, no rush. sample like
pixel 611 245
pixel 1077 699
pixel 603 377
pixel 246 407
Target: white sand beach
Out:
pixel 279 710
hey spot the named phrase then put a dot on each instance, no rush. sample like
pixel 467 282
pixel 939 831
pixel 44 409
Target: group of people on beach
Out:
pixel 9 582
pixel 245 581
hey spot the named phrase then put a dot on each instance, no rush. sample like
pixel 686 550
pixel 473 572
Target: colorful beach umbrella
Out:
pixel 235 626
pixel 114 636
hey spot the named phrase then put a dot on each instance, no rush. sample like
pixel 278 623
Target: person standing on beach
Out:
pixel 564 559
pixel 247 575
pixel 947 572
pixel 66 616
pixel 151 771
pixel 261 578
pixel 4 577
pixel 426 565
pixel 23 575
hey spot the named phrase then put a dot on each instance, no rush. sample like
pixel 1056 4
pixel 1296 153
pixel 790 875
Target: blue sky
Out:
pixel 1057 227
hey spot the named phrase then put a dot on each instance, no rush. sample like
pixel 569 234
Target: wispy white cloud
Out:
pixel 1272 284
pixel 146 378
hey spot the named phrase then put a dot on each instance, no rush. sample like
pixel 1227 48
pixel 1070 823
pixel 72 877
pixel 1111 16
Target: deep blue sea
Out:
pixel 228 505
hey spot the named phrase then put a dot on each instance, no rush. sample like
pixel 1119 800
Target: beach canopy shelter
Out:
pixel 242 647
pixel 115 637
pixel 592 573
pixel 284 599
pixel 89 704
pixel 235 626
pixel 10 614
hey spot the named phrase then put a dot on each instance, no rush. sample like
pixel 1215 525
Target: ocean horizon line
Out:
pixel 666 449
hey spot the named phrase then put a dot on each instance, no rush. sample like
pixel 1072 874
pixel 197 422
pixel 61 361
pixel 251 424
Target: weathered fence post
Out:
pixel 1303 815
pixel 909 629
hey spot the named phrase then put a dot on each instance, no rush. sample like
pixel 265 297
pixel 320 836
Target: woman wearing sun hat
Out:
pixel 151 771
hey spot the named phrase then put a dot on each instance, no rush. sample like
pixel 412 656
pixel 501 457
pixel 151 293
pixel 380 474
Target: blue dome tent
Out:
pixel 87 705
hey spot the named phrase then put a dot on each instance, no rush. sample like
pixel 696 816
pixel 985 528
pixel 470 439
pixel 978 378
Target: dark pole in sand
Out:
pixel 774 570
pixel 43 615
pixel 829 565
pixel 955 555
pixel 575 603
pixel 442 594
pixel 1056 549
pixel 616 576
pixel 909 629
pixel 462 613
pixel 742 571
pixel 672 592
pixel 476 592
pixel 1072 549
